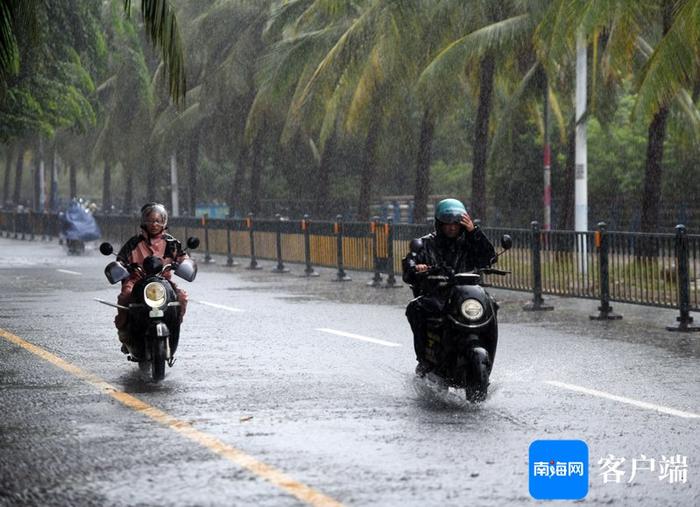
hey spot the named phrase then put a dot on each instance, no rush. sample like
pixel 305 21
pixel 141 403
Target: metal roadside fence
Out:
pixel 660 270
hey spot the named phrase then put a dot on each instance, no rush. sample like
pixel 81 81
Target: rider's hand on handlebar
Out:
pixel 422 268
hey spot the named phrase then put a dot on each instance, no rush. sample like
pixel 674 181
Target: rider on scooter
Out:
pixel 152 241
pixel 456 243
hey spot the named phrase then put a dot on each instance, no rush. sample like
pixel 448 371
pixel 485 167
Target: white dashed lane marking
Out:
pixel 68 272
pixel 359 337
pixel 220 307
pixel 622 399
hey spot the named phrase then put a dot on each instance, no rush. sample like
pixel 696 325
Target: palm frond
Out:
pixel 498 36
pixel 508 112
pixel 558 115
pixel 352 46
pixel 673 63
pixel 162 28
pixel 9 54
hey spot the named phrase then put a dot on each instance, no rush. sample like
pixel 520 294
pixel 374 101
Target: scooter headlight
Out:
pixel 154 294
pixel 472 309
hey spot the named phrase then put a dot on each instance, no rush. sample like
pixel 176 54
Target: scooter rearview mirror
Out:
pixel 416 245
pixel 506 241
pixel 192 242
pixel 106 249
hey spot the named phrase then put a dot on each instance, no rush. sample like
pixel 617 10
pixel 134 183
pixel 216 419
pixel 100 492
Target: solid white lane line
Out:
pixel 69 272
pixel 622 399
pixel 221 307
pixel 359 337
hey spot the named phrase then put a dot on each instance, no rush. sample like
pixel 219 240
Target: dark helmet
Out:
pixel 449 211
pixel 149 208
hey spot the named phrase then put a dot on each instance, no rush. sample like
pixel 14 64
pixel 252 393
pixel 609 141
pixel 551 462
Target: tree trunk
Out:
pixel 369 161
pixel 235 201
pixel 53 193
pixel 73 185
pixel 39 181
pixel 152 176
pixel 19 169
pixel 566 214
pixel 128 192
pixel 9 157
pixel 655 149
pixel 420 199
pixel 192 160
pixel 36 177
pixel 107 186
pixel 323 193
pixel 481 137
pixel 154 170
pixel 653 171
pixel 257 164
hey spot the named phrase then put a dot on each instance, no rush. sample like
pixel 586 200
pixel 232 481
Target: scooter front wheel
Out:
pixel 476 380
pixel 158 359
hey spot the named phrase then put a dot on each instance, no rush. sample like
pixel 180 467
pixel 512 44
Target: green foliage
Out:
pixel 290 75
pixel 452 179
pixel 614 164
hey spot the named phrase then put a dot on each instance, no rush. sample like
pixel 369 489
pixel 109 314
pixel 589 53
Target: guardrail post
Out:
pixel 49 225
pixel 229 249
pixel 309 271
pixel 205 223
pixel 685 321
pixel 537 303
pixel 280 265
pixel 605 310
pixel 391 277
pixel 338 226
pixel 251 230
pixel 24 225
pixel 43 226
pixel 31 222
pixel 377 279
pixel 14 224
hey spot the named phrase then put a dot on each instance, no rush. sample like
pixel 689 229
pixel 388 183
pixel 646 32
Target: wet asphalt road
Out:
pixel 337 414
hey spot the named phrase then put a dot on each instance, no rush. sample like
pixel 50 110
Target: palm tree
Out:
pixel 161 26
pixel 490 33
pixel 159 20
pixel 364 77
pixel 127 97
pixel 16 16
pixel 299 35
pixel 662 67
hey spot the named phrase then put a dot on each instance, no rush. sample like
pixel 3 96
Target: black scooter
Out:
pixel 75 246
pixel 154 314
pixel 461 341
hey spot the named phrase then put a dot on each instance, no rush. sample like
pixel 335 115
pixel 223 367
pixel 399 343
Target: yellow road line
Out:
pixel 276 477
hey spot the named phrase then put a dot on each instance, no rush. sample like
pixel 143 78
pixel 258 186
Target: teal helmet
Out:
pixel 449 211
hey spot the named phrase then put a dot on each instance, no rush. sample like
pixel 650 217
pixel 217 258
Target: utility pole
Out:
pixel 174 193
pixel 581 220
pixel 41 205
pixel 547 224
